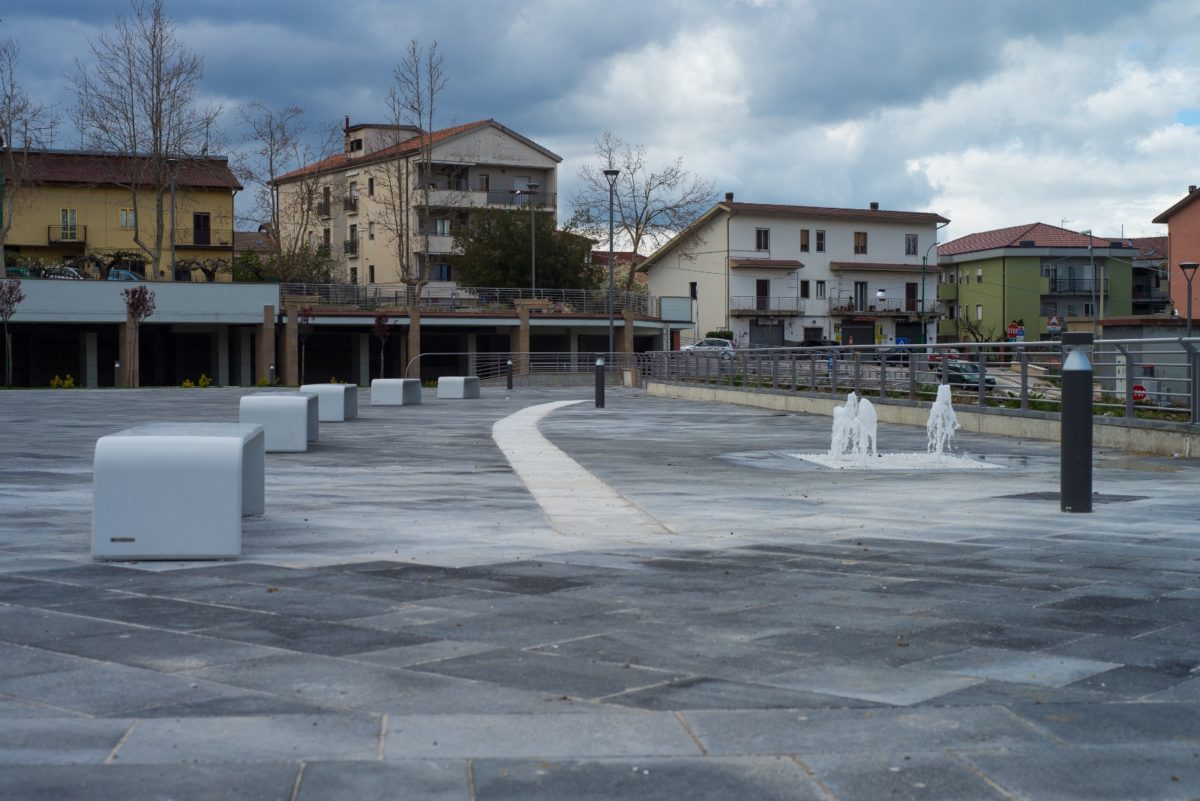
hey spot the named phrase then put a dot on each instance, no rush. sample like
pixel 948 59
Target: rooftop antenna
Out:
pixel 1063 223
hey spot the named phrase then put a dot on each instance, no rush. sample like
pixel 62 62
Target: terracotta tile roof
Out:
pixel 408 146
pixel 98 169
pixel 880 267
pixel 789 264
pixel 1042 236
pixel 818 212
pixel 1149 247
pixel 257 241
pixel 619 257
pixel 1192 196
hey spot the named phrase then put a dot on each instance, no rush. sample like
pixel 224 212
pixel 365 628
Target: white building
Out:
pixel 776 275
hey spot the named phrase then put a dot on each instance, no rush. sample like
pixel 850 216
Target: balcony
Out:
pixel 323 208
pixel 1077 286
pixel 845 305
pixel 350 248
pixel 202 237
pixel 66 234
pixel 435 243
pixel 350 205
pixel 754 306
pixel 510 197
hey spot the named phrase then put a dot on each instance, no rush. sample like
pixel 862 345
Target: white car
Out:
pixel 723 347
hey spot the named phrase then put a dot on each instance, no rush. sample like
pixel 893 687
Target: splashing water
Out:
pixel 855 428
pixel 942 422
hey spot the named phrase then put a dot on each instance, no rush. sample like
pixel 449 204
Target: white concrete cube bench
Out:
pixel 291 420
pixel 395 391
pixel 336 402
pixel 176 490
pixel 458 387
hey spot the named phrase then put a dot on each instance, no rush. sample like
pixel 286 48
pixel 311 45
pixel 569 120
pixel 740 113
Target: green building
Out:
pixel 1037 276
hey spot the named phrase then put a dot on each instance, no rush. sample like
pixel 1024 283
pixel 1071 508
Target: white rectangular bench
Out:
pixel 291 420
pixel 176 490
pixel 458 387
pixel 395 391
pixel 336 402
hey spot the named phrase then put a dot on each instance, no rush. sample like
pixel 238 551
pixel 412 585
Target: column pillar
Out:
pixel 131 353
pixel 291 347
pixel 521 362
pixel 266 346
pixel 472 350
pixel 414 341
pixel 221 379
pixel 245 357
pixel 89 372
pixel 362 360
pixel 626 343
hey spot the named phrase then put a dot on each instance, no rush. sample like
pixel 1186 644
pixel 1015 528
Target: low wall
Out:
pixel 1135 436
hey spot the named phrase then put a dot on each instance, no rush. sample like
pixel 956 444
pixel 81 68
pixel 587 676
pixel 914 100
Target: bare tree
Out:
pixel 649 206
pixel 10 297
pixel 24 126
pixel 974 330
pixel 138 98
pixel 417 83
pixel 139 304
pixel 381 331
pixel 275 137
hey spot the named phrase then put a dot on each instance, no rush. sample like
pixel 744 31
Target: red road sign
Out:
pixel 1012 330
pixel 1139 392
pixel 1053 324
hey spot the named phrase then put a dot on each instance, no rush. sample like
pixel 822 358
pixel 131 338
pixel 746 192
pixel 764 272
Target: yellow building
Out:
pixel 77 204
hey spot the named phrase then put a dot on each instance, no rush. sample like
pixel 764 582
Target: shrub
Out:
pixel 719 334
pixel 204 381
pixel 187 383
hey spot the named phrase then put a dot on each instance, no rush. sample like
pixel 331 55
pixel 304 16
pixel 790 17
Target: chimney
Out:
pixel 347 123
pixel 728 197
pixel 1191 189
pixel 874 205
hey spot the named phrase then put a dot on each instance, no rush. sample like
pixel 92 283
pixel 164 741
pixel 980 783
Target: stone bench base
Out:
pixel 176 490
pixel 291 420
pixel 336 402
pixel 395 392
pixel 458 387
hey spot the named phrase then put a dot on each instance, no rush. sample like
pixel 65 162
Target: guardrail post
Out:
pixel 812 372
pixel 833 372
pixel 1194 379
pixel 599 382
pixel 912 375
pixel 981 388
pixel 1024 359
pixel 1075 457
pixel 1129 380
pixel 882 374
pixel 857 371
pixel 508 373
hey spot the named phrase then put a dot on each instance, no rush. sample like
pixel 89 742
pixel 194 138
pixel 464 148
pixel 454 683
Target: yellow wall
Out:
pixel 98 210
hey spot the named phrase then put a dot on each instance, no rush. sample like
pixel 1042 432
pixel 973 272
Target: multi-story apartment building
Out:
pixel 387 208
pixel 1183 233
pixel 1035 275
pixel 73 204
pixel 776 275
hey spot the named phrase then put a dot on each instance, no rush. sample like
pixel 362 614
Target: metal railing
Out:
pixel 846 304
pixel 350 204
pixel 440 297
pixel 201 237
pixel 1077 286
pixel 755 303
pixel 1156 379
pixel 350 247
pixel 511 197
pixel 494 366
pixel 59 234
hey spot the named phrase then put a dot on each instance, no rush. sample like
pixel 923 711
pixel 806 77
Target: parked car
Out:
pixel 124 275
pixel 62 273
pixel 936 356
pixel 818 343
pixel 712 343
pixel 17 272
pixel 960 372
pixel 891 355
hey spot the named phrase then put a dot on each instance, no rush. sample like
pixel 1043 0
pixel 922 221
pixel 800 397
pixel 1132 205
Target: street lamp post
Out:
pixel 924 265
pixel 1188 268
pixel 611 175
pixel 533 238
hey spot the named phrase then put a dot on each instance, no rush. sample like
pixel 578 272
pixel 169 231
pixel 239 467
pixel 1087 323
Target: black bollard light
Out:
pixel 508 372
pixel 599 382
pixel 117 373
pixel 1075 458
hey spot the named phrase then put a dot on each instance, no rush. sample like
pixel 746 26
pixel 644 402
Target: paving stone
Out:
pixel 768 778
pixel 49 594
pixel 1132 682
pixel 995 635
pixel 514 632
pixel 315 637
pixel 707 693
pixel 536 736
pixel 1014 666
pixel 35 626
pixel 885 685
pixel 919 776
pixel 1114 773
pixel 175 782
pixel 262 738
pixel 58 742
pixel 283 600
pixel 840 731
pixel 163 613
pixel 435 651
pixel 21 660
pixel 428 780
pixel 1117 723
pixel 408 615
pixel 158 650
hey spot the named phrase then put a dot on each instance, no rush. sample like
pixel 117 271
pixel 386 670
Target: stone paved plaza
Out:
pixel 650 601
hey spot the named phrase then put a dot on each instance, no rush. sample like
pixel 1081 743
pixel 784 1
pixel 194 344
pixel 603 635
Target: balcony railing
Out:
pixel 469 300
pixel 201 237
pixel 322 208
pixel 350 248
pixel 66 234
pixel 350 205
pixel 846 304
pixel 513 197
pixel 753 304
pixel 1078 286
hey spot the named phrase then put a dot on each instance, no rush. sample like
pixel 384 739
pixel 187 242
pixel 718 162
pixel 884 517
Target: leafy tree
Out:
pixel 139 304
pixel 10 297
pixel 495 252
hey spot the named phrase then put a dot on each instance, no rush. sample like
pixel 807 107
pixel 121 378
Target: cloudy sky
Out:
pixel 990 112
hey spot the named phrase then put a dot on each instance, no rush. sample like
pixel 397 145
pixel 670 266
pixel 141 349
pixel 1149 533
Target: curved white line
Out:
pixel 575 501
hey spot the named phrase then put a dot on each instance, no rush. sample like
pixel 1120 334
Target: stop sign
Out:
pixel 1138 392
pixel 1012 330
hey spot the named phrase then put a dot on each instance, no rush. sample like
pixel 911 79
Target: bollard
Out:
pixel 1075 459
pixel 271 375
pixel 117 373
pixel 508 372
pixel 599 382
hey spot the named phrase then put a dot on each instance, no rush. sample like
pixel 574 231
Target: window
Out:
pixel 978 312
pixel 804 289
pixel 860 241
pixel 441 226
pixel 183 274
pixel 950 276
pixel 910 244
pixel 354 275
pixel 68 218
pixel 371 231
pixel 762 239
pixel 803 240
pixel 820 290
pixel 370 187
pixel 979 275
pixel 355 145
pixel 354 190
pixel 326 239
pixel 820 241
pixel 440 272
pixel 692 289
pixel 370 273
pixel 951 311
pixel 128 218
pixel 485 182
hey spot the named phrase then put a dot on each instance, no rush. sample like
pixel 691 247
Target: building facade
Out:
pixel 1035 275
pixel 777 275
pixel 72 205
pixel 1183 235
pixel 388 207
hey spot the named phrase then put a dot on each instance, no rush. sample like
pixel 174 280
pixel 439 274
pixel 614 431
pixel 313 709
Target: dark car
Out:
pixel 62 273
pixel 959 372
pixel 891 355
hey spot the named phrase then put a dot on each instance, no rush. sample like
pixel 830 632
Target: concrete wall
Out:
pixel 1135 437
pixel 50 301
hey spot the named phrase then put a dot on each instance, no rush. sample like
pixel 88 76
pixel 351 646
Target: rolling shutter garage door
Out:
pixel 858 333
pixel 766 333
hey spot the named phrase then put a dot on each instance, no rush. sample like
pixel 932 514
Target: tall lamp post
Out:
pixel 533 238
pixel 924 265
pixel 611 175
pixel 1188 268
